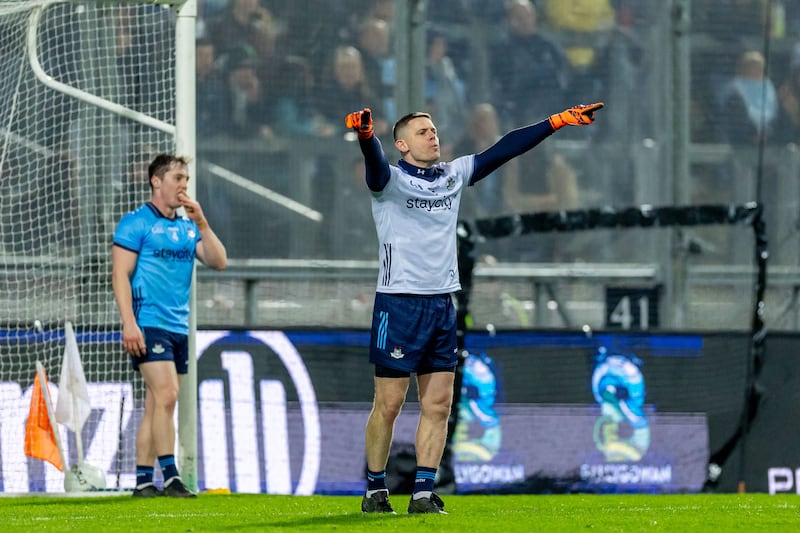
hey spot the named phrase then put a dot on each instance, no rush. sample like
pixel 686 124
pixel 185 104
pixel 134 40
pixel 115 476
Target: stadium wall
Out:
pixel 541 412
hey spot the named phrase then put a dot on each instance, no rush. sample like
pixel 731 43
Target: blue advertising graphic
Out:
pixel 622 433
pixel 478 435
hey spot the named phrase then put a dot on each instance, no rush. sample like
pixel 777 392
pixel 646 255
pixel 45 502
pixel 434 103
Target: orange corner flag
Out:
pixel 40 438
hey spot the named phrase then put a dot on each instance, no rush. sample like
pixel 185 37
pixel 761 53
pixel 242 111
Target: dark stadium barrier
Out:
pixel 542 412
pixel 644 216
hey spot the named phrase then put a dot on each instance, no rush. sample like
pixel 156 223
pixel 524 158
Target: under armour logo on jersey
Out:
pixel 421 171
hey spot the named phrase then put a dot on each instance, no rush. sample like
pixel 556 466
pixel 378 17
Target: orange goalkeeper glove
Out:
pixel 580 115
pixel 361 123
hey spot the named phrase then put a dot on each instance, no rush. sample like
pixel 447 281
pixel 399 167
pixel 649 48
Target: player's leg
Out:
pixel 390 394
pixel 435 378
pixel 176 355
pixel 435 399
pixel 161 381
pixel 145 452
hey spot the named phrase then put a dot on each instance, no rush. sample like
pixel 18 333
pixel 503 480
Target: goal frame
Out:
pixel 184 135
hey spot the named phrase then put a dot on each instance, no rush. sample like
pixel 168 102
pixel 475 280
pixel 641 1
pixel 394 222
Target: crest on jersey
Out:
pixel 173 234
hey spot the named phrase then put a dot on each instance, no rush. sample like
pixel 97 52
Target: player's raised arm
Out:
pixel 520 140
pixel 377 166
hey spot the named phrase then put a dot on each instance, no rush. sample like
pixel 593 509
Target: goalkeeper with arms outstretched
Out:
pixel 415 206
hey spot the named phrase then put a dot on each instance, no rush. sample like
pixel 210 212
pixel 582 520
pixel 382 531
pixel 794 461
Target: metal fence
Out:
pixel 672 132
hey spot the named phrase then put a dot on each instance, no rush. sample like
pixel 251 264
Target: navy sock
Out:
pixel 376 480
pixel 168 468
pixel 424 480
pixel 144 475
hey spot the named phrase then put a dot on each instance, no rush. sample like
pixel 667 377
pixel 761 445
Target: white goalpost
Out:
pixel 89 93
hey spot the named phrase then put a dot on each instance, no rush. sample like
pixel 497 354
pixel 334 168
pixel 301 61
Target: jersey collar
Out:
pixel 420 172
pixel 156 212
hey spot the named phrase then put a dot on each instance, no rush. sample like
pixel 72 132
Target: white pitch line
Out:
pixel 264 192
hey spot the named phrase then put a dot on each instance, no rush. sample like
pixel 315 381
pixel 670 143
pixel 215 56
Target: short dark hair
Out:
pixel 162 163
pixel 404 120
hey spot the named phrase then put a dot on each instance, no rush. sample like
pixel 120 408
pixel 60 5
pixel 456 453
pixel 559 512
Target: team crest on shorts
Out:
pixel 397 353
pixel 158 348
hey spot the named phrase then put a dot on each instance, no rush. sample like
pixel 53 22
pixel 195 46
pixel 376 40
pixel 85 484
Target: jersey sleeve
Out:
pixel 464 167
pixel 130 233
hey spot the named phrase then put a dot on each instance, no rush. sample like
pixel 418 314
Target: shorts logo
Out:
pixel 397 353
pixel 158 348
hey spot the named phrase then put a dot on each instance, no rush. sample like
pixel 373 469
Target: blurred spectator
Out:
pixel 788 128
pixel 483 130
pixel 212 93
pixel 206 10
pixel 247 108
pixel 465 11
pixel 525 191
pixel 313 29
pixel 345 87
pixel 374 43
pixel 445 93
pixel 529 71
pixel 748 103
pixel 545 181
pixel 245 22
pixel 605 63
pixel 292 109
pixel 380 9
pixel 579 22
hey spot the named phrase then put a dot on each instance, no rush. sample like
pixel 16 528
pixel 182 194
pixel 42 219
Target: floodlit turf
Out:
pixel 470 514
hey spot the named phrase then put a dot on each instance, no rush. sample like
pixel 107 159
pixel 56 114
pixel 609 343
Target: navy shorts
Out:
pixel 413 333
pixel 163 345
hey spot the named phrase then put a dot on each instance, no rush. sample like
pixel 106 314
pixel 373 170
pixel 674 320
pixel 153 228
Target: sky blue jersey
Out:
pixel 162 278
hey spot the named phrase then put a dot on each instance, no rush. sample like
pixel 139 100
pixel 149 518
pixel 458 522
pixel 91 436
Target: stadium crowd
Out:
pixel 270 69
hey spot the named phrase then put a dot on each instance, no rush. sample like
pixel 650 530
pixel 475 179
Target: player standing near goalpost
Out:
pixel 415 207
pixel 153 257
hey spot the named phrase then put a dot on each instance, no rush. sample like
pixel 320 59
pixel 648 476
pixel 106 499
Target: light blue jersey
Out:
pixel 162 279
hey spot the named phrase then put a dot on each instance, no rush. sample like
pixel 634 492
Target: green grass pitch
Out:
pixel 471 514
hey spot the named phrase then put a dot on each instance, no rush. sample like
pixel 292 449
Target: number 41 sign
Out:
pixel 631 307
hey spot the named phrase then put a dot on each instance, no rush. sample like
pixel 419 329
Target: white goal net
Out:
pixel 87 98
